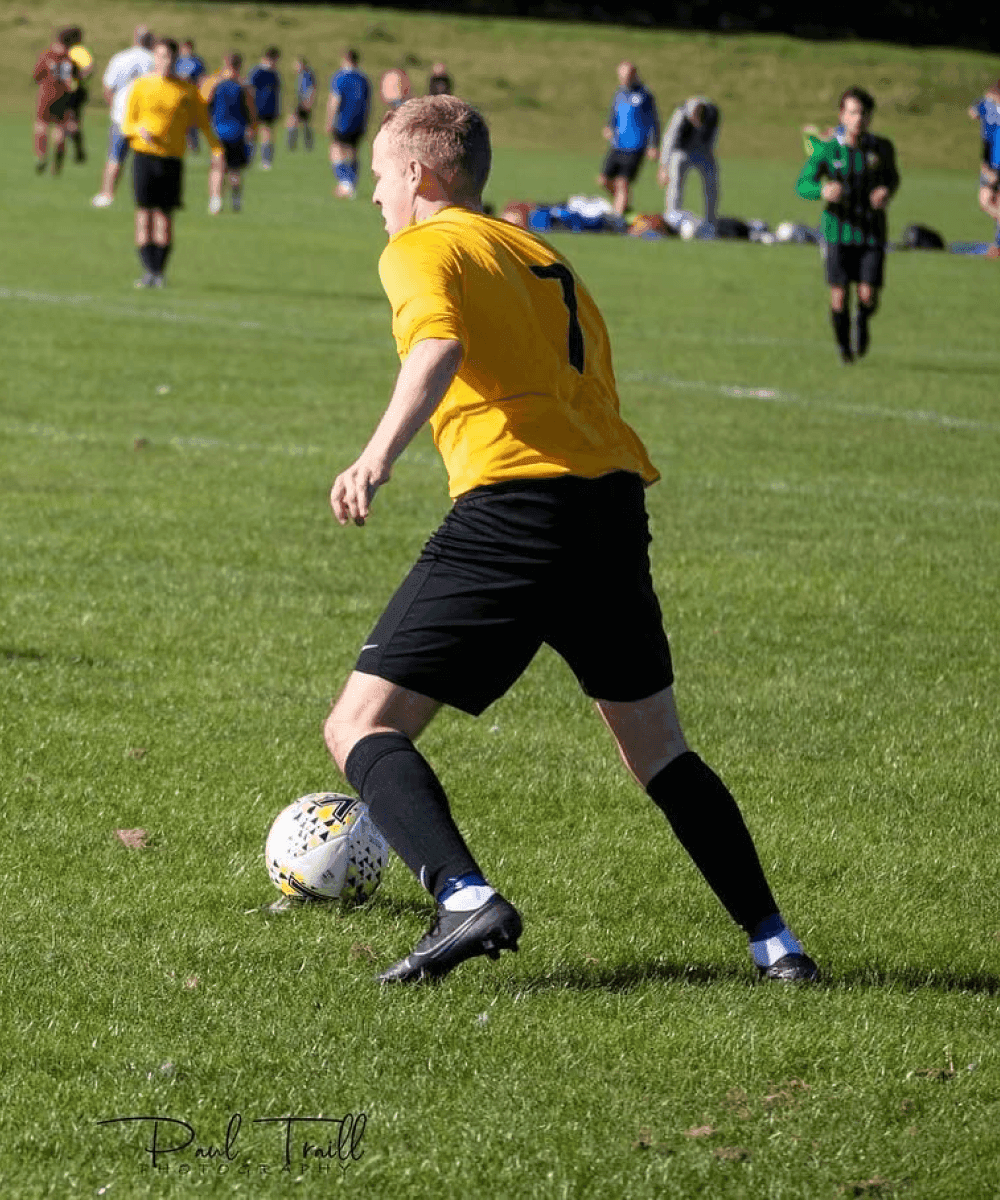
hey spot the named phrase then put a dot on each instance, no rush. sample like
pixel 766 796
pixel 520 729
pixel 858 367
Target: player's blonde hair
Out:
pixel 446 135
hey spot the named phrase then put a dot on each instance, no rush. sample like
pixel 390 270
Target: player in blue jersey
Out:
pixel 987 113
pixel 189 66
pixel 346 121
pixel 231 106
pixel 266 84
pixel 305 97
pixel 633 129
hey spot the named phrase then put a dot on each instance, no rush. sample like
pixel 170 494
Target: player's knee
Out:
pixel 868 296
pixel 340 735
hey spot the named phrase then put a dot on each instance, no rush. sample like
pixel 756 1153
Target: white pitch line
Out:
pixel 775 396
pixel 123 310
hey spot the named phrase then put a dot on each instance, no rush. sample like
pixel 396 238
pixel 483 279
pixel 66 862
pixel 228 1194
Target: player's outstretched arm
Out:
pixel 423 379
pixel 809 184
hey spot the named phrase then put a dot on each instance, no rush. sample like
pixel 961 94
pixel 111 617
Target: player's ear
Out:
pixel 416 174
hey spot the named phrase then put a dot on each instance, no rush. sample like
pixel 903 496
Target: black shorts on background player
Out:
pixel 236 154
pixel 350 140
pixel 511 567
pixel 622 162
pixel 157 182
pixel 846 264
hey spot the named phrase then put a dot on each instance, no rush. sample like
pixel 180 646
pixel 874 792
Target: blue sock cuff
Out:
pixel 451 886
pixel 769 927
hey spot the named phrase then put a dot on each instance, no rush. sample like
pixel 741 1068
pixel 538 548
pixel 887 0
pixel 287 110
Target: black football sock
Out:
pixel 307 137
pixel 78 145
pixel 865 314
pixel 147 256
pixel 293 137
pixel 710 827
pixel 842 329
pixel 57 158
pixel 161 254
pixel 409 807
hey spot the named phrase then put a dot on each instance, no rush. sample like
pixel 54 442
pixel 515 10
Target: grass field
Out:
pixel 177 608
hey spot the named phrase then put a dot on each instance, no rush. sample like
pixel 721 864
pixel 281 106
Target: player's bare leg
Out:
pixel 344 163
pixel 370 733
pixel 236 190
pixel 41 146
pixel 266 147
pixel 620 193
pixel 109 182
pixel 58 147
pixel 216 175
pixel 708 824
pixel 153 238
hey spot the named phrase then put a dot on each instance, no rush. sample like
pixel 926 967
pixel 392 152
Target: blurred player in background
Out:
pixel 265 83
pixel 191 67
pixel 505 353
pixel 83 66
pixel 231 106
pixel 54 75
pixel 987 112
pixel 305 97
pixel 689 145
pixel 633 129
pixel 855 173
pixel 394 87
pixel 440 82
pixel 123 69
pixel 347 112
pixel 161 108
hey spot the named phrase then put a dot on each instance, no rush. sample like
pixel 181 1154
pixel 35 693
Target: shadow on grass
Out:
pixel 588 976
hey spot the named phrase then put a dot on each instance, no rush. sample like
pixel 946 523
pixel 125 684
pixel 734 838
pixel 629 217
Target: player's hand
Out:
pixel 879 197
pixel 832 191
pixel 991 175
pixel 353 490
pixel 652 154
pixel 606 133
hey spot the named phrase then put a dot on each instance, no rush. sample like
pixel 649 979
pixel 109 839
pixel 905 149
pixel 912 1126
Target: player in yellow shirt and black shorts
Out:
pixel 160 110
pixel 505 353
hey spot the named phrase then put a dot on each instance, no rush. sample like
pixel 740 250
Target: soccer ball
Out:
pixel 324 846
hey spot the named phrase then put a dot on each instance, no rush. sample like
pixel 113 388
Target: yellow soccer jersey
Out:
pixel 166 109
pixel 535 396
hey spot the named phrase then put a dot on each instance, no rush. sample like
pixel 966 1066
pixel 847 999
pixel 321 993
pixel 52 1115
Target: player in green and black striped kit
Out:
pixel 855 173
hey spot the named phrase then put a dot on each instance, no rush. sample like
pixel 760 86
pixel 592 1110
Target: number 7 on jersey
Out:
pixel 565 277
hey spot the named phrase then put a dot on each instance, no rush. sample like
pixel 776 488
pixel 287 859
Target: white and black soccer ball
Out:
pixel 324 846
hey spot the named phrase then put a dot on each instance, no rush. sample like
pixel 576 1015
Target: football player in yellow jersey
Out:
pixel 505 353
pixel 160 109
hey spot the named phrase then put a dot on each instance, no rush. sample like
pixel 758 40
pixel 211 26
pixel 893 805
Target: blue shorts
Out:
pixel 118 146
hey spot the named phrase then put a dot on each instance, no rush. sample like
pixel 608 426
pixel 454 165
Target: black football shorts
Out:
pixel 157 182
pixel 853 264
pixel 563 562
pixel 622 162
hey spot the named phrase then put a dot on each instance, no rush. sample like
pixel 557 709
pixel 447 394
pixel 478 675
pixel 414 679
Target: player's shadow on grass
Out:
pixel 587 976
pixel 584 976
